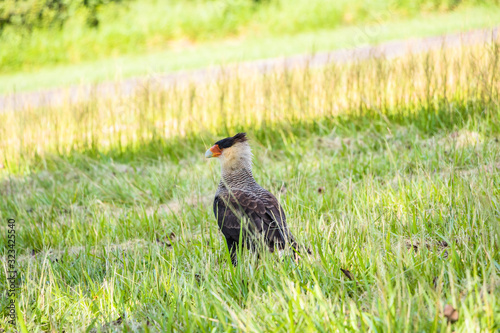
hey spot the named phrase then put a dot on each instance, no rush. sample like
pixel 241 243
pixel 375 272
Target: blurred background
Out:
pixel 52 43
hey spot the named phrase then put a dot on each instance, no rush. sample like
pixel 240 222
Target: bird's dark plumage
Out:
pixel 242 206
pixel 265 218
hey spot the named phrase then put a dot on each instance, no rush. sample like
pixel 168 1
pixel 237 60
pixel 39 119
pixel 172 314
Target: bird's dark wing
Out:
pixel 263 212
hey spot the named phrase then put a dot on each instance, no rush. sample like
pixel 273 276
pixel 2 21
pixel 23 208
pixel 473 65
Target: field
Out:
pixel 389 171
pixel 137 38
pixel 46 36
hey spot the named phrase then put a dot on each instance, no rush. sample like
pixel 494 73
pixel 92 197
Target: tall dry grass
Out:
pixel 155 121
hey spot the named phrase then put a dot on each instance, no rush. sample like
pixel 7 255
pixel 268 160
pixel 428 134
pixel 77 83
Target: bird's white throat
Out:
pixel 236 160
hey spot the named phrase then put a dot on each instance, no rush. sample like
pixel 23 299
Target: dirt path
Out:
pixel 393 49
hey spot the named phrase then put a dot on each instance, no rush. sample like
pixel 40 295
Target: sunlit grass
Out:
pixel 388 169
pixel 183 55
pixel 433 90
pixel 140 27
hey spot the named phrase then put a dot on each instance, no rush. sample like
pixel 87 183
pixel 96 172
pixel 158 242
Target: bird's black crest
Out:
pixel 228 142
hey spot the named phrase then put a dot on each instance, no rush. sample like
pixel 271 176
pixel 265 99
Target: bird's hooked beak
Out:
pixel 214 151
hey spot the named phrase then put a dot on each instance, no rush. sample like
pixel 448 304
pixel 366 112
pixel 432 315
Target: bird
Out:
pixel 245 210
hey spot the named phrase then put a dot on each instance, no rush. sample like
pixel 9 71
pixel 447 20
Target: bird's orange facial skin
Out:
pixel 216 151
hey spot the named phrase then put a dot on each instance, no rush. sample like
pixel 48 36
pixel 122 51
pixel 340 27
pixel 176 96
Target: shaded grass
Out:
pixel 115 229
pixel 67 190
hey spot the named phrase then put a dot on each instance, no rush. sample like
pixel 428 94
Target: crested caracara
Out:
pixel 242 206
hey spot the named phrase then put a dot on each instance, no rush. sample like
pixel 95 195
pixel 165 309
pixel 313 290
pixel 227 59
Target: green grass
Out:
pixel 253 46
pixel 138 27
pixel 113 202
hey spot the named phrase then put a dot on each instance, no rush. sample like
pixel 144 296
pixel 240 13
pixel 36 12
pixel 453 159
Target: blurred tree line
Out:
pixel 30 14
